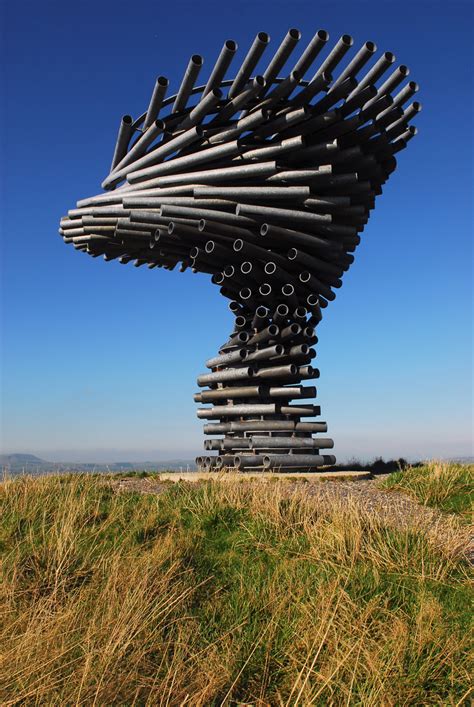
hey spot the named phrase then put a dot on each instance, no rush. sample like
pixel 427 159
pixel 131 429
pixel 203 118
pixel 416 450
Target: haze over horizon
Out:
pixel 99 361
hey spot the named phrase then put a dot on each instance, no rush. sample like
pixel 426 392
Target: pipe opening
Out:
pixel 294 33
pixel 288 290
pixel 389 56
pixel 245 293
pixel 265 289
pixel 273 330
pixel 322 35
pixel 127 119
pixel 417 106
pixel 282 310
pixel 270 268
pixel 197 59
pixel 229 271
pixel 347 39
pixel 231 45
pixel 162 81
pixel 263 37
pixel 413 86
pixel 209 247
pixel 246 267
pixel 371 46
pixel 404 70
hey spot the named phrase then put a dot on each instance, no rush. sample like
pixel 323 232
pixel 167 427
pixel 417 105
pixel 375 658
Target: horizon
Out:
pixel 100 362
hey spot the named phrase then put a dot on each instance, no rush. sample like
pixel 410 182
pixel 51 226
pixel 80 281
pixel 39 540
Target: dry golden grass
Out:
pixel 225 593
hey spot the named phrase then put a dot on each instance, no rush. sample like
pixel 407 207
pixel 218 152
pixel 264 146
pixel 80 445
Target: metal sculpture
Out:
pixel 264 183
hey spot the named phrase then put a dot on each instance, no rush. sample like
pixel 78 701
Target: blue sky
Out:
pixel 99 360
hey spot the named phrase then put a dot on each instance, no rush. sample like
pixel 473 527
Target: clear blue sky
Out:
pixel 99 360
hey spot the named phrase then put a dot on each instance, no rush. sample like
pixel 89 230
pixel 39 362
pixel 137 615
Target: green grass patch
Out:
pixel 449 487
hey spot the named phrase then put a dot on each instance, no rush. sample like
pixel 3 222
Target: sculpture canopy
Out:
pixel 263 182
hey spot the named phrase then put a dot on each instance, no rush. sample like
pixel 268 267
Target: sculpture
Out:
pixel 264 183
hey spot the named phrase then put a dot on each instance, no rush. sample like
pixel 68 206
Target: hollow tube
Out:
pixel 187 84
pixel 220 67
pixel 156 101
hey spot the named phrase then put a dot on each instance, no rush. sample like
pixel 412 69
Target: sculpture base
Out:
pixel 258 402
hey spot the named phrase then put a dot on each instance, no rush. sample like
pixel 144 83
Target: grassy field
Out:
pixel 231 593
pixel 449 487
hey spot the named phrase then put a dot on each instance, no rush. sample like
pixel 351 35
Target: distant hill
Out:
pixel 21 459
pixel 16 464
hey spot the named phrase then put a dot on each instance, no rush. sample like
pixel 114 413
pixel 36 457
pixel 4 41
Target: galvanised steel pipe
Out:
pixel 334 57
pixel 199 112
pixel 317 43
pixel 232 393
pixel 364 55
pixel 318 84
pixel 270 204
pixel 208 155
pixel 266 353
pixel 220 67
pixel 123 138
pixel 253 426
pixel 239 102
pixel 158 154
pixel 187 84
pixel 156 101
pixel 139 148
pixel 248 461
pixel 291 442
pixel 392 82
pixel 249 122
pixel 296 460
pixel 237 410
pixel 224 461
pixel 221 175
pixel 281 56
pixel 407 92
pixel 226 375
pixel 224 359
pixel 251 60
pixel 379 68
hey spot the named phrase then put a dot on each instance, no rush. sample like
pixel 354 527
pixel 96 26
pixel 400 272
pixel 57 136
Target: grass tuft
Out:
pixel 443 485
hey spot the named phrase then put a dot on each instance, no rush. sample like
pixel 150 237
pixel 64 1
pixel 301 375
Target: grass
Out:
pixel 449 487
pixel 224 593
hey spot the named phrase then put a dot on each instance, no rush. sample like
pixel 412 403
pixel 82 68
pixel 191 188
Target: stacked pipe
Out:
pixel 263 182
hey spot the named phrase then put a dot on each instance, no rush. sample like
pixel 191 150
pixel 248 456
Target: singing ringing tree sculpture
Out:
pixel 263 182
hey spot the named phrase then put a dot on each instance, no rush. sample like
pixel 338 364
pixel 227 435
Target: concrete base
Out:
pixel 262 475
